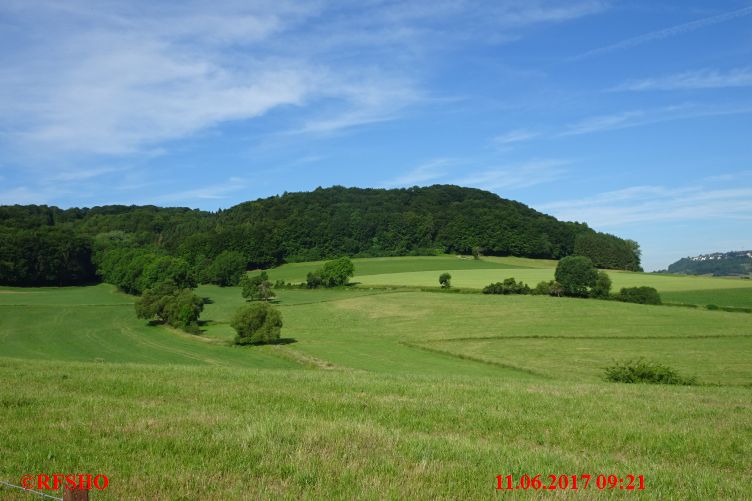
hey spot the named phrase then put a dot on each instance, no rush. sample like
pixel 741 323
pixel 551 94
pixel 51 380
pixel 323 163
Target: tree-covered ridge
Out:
pixel 718 264
pixel 49 245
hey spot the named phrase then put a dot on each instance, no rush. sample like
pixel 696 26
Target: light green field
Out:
pixel 97 324
pixel 375 394
pixel 296 272
pixel 477 279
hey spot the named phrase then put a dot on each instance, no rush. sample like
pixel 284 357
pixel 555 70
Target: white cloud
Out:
pixel 667 32
pixel 518 176
pixel 699 79
pixel 118 78
pixel 515 136
pixel 640 204
pixel 422 174
pixel 636 118
pixel 211 192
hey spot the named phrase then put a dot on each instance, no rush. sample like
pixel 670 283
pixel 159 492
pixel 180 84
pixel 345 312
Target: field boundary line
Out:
pixel 493 338
pixel 474 359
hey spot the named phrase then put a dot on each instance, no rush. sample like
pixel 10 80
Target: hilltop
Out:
pixel 48 245
pixel 717 263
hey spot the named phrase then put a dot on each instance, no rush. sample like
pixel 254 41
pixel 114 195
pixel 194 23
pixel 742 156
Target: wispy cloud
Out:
pixel 516 176
pixel 116 79
pixel 636 118
pixel 424 173
pixel 515 136
pixel 211 192
pixel 666 33
pixel 699 79
pixel 640 204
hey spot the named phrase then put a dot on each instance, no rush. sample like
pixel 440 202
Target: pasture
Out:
pixel 378 393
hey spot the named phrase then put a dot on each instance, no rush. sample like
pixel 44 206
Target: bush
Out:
pixel 551 288
pixel 640 295
pixel 445 280
pixel 170 304
pixel 641 371
pixel 576 274
pixel 257 323
pixel 337 272
pixel 713 307
pixel 602 287
pixel 508 286
pixel 256 288
pixel 313 280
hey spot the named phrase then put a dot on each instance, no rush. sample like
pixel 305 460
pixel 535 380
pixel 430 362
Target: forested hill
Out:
pixel 40 244
pixel 718 263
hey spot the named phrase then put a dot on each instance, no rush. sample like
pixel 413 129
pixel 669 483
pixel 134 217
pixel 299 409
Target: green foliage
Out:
pixel 227 269
pixel 550 288
pixel 608 251
pixel 333 274
pixel 44 256
pixel 576 274
pixel 508 286
pixel 168 303
pixel 48 245
pixel 723 264
pixel 642 371
pixel 314 280
pixel 257 287
pixel 257 323
pixel 640 295
pixel 337 272
pixel 445 280
pixel 602 287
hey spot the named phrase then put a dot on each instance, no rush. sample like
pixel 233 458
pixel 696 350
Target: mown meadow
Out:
pixel 380 393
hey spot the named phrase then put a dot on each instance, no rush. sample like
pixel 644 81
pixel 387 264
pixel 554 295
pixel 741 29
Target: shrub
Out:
pixel 256 288
pixel 642 371
pixel 576 274
pixel 713 307
pixel 551 288
pixel 170 304
pixel 313 280
pixel 257 323
pixel 337 272
pixel 640 295
pixel 602 287
pixel 508 286
pixel 445 280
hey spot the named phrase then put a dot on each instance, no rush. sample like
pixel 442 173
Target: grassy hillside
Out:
pixel 375 394
pixel 475 274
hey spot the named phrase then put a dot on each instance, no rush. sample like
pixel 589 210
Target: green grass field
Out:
pixel 377 394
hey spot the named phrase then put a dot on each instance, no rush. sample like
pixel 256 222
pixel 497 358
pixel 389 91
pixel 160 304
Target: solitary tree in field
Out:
pixel 445 280
pixel 257 323
pixel 576 274
pixel 337 272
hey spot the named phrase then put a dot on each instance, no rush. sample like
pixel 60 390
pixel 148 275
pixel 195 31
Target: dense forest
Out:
pixel 719 264
pixel 41 245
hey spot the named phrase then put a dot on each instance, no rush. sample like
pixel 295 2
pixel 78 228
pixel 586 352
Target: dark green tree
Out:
pixel 337 272
pixel 576 274
pixel 226 269
pixel 167 303
pixel 445 280
pixel 257 323
pixel 602 287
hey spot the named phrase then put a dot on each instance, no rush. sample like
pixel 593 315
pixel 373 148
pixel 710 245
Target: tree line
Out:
pixel 41 245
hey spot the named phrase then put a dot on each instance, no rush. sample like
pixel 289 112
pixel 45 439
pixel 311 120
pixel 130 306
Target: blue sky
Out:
pixel 633 116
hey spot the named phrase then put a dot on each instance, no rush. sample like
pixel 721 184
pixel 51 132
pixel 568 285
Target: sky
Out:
pixel 634 117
